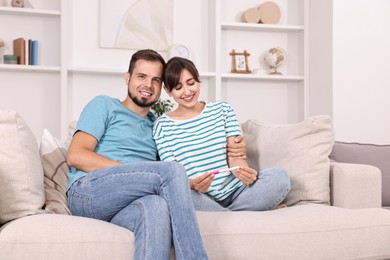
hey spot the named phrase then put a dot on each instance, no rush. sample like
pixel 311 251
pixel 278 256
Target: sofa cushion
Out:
pixel 55 168
pixel 309 231
pixel 57 236
pixel 21 175
pixel 371 154
pixel 302 149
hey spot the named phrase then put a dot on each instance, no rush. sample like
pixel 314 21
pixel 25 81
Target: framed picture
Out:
pixel 240 62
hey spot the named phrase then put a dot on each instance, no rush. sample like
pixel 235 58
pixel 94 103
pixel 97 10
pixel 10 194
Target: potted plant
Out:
pixel 161 107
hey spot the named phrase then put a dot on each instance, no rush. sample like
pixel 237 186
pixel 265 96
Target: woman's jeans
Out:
pixel 152 199
pixel 268 191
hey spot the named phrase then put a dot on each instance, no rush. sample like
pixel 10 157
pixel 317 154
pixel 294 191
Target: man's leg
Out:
pixel 103 193
pixel 268 191
pixel 148 217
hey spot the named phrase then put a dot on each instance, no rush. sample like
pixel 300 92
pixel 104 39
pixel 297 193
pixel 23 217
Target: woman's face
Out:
pixel 186 92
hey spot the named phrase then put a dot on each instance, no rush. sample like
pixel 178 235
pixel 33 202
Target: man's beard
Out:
pixel 142 102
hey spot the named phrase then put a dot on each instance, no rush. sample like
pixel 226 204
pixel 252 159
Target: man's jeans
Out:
pixel 152 199
pixel 268 191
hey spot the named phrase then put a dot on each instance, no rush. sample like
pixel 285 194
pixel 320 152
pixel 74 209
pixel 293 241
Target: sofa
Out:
pixel 365 153
pixel 334 210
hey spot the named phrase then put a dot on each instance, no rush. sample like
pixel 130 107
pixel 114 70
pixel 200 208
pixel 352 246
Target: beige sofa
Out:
pixel 355 227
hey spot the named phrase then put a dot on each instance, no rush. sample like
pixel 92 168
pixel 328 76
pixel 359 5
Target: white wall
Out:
pixel 84 50
pixel 361 86
pixel 350 78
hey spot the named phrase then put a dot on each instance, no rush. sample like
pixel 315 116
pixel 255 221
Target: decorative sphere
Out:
pixel 274 58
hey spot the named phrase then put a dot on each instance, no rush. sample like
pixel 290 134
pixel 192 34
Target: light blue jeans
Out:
pixel 268 191
pixel 152 199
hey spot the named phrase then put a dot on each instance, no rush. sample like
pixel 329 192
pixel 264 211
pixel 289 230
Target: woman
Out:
pixel 196 134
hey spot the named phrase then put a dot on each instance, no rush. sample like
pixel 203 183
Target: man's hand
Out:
pixel 201 183
pixel 246 175
pixel 237 148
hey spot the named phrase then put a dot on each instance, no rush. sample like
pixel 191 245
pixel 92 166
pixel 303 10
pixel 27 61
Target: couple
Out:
pixel 115 175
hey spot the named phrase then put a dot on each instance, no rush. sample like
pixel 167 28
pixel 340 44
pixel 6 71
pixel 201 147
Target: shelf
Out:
pixel 81 70
pixel 16 67
pixel 262 27
pixel 29 12
pixel 262 77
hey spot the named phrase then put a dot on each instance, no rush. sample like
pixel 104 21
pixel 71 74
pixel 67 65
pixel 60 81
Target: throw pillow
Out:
pixel 55 168
pixel 21 176
pixel 302 149
pixel 371 154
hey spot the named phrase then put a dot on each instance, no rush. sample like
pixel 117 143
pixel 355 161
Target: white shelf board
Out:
pixel 262 77
pixel 261 27
pixel 29 11
pixel 17 67
pixel 84 70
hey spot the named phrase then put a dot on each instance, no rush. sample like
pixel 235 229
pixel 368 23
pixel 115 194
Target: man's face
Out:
pixel 144 84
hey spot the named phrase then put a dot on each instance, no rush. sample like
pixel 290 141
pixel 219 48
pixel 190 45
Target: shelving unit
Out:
pixel 34 90
pixel 290 33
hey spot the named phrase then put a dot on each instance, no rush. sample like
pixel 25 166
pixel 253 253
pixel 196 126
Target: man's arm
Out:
pixel 236 147
pixel 245 174
pixel 81 154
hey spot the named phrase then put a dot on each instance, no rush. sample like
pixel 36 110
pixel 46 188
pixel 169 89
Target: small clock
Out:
pixel 180 50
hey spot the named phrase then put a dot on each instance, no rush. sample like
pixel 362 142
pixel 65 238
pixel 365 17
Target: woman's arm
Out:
pixel 246 174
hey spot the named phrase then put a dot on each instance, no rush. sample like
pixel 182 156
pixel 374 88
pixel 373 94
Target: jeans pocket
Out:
pixel 80 205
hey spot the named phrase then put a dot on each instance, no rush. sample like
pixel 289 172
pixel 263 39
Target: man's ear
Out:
pixel 127 78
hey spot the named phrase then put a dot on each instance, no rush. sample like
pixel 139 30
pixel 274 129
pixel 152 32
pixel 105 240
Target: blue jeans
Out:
pixel 152 199
pixel 268 191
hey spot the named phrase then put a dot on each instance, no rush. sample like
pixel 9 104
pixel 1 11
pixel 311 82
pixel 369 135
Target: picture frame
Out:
pixel 240 62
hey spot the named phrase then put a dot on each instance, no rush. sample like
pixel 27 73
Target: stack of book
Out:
pixel 26 50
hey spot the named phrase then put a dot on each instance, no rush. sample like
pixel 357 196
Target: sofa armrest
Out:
pixel 355 185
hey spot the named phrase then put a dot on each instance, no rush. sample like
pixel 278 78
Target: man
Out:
pixel 115 176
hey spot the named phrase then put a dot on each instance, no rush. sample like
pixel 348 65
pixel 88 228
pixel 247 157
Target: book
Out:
pixel 26 52
pixel 19 50
pixel 34 52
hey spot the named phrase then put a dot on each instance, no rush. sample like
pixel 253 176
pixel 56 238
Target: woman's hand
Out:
pixel 201 183
pixel 246 175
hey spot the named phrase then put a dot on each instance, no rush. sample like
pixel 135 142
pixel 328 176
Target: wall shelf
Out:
pixel 262 77
pixel 262 27
pixel 17 67
pixel 29 12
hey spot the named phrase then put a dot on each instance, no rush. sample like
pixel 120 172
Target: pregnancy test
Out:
pixel 225 170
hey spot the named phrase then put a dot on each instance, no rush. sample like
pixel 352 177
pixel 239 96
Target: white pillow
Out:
pixel 301 149
pixel 21 176
pixel 53 157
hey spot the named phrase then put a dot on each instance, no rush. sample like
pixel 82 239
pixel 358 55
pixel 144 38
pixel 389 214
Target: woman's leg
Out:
pixel 202 202
pixel 268 191
pixel 148 217
pixel 103 193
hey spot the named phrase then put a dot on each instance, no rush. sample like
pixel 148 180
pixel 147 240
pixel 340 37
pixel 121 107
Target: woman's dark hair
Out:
pixel 173 70
pixel 147 54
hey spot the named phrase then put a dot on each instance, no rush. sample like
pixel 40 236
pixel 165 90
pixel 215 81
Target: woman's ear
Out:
pixel 167 90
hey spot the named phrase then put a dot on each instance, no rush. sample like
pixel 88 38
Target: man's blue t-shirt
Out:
pixel 122 135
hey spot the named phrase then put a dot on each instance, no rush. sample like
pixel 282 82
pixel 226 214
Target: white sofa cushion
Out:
pixel 21 175
pixel 53 156
pixel 302 149
pixel 303 232
pixel 57 236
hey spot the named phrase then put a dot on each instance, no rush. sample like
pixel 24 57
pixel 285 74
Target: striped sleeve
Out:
pixel 164 148
pixel 232 127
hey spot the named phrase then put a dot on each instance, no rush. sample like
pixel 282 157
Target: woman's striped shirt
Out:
pixel 199 144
